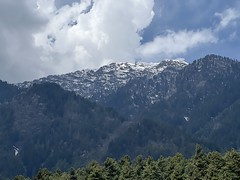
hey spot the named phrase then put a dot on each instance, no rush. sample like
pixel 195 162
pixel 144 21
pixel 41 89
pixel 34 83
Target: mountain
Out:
pixel 167 108
pixel 47 126
pixel 142 92
pixel 192 97
pixel 7 91
pixel 201 101
pixel 51 127
pixel 98 84
pixel 207 96
pixel 148 137
pixel 115 84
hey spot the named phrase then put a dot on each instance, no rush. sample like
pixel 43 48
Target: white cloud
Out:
pixel 18 55
pixel 176 43
pixel 38 39
pixel 228 17
pixel 74 40
pixel 46 7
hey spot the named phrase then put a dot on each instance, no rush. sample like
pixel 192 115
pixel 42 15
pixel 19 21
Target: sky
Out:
pixel 44 37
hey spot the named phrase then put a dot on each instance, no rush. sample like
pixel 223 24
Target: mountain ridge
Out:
pixel 150 113
pixel 129 87
pixel 107 79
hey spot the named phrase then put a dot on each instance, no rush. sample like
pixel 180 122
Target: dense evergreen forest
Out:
pixel 201 165
pixel 45 126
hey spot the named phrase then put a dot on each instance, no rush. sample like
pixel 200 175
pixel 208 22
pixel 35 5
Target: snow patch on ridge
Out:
pixel 96 83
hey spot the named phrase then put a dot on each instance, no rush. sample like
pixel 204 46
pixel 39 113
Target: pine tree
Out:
pixel 95 171
pixel 20 177
pixel 126 168
pixel 178 162
pixel 73 175
pixel 231 169
pixel 196 168
pixel 150 170
pixel 215 166
pixel 111 169
pixel 138 166
pixel 43 174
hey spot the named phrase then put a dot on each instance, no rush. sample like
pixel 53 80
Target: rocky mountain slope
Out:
pixel 50 127
pixel 46 126
pixel 100 83
pixel 207 96
pixel 167 108
pixel 173 91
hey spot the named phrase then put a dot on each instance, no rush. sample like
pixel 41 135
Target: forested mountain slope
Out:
pixel 51 127
pixel 148 109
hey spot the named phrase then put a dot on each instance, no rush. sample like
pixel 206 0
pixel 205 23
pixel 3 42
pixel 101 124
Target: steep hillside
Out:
pixel 186 96
pixel 140 93
pixel 46 126
pixel 50 127
pixel 206 89
pixel 97 84
pixel 151 138
pixel 168 107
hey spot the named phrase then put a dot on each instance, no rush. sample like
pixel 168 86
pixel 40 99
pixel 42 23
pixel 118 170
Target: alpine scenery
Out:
pixel 130 89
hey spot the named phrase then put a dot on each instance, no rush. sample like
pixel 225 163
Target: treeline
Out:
pixel 212 165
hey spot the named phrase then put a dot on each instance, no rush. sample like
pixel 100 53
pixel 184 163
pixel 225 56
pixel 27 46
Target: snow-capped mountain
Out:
pixel 99 83
pixel 168 106
pixel 129 88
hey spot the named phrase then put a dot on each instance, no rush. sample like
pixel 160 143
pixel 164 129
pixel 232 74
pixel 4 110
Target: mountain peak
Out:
pixel 176 63
pixel 98 83
pixel 215 63
pixel 177 60
pixel 216 58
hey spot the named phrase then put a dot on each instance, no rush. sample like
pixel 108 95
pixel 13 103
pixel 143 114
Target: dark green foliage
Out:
pixel 95 171
pixel 138 166
pixel 227 123
pixel 231 170
pixel 216 165
pixel 112 169
pixel 150 170
pixel 20 177
pixel 57 129
pixel 53 128
pixel 126 171
pixel 208 95
pixel 149 137
pixel 200 166
pixel 43 174
pixel 197 165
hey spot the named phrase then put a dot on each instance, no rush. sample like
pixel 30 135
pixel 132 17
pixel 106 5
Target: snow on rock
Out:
pixel 98 83
pixel 186 118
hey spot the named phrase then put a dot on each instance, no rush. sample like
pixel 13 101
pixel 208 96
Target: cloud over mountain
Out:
pixel 90 34
pixel 42 37
pixel 174 43
pixel 84 35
